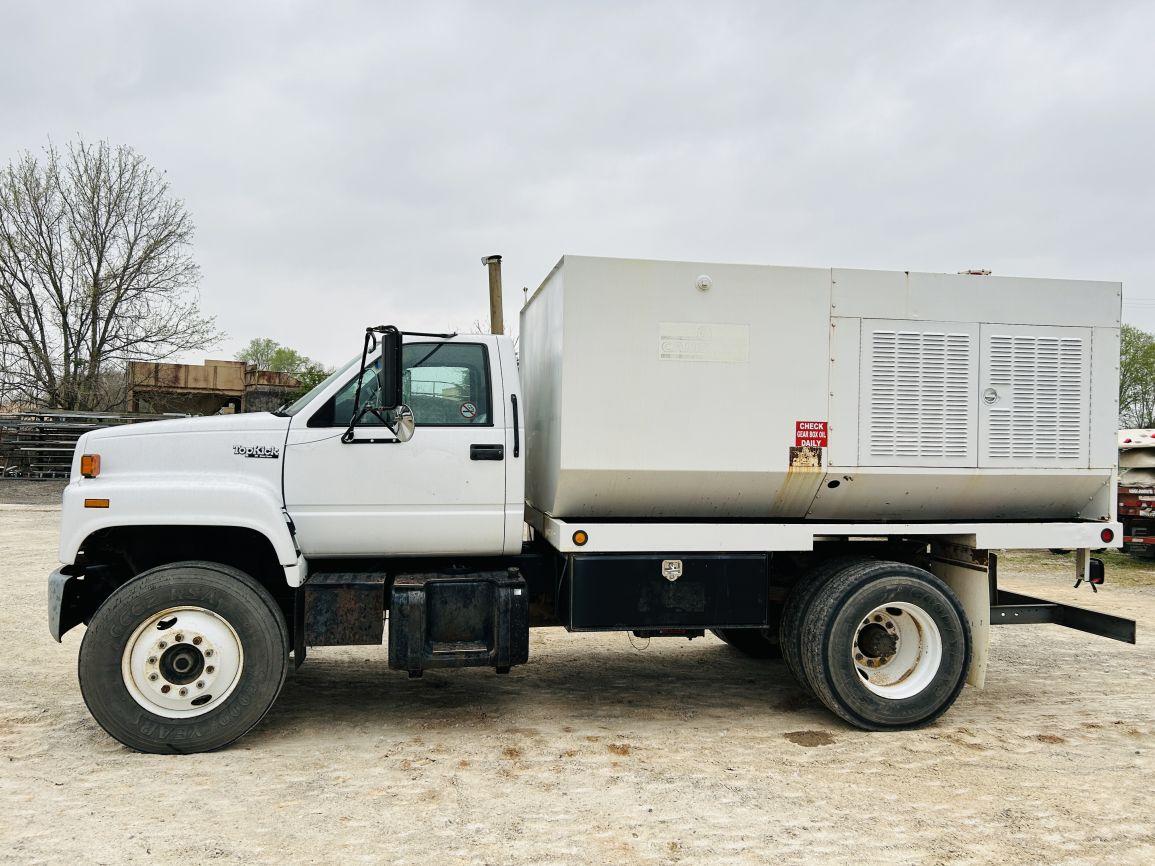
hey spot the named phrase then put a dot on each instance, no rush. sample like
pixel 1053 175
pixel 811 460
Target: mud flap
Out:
pixel 70 601
pixel 966 571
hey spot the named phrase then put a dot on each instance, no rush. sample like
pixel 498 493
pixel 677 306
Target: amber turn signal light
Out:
pixel 90 465
pixel 580 537
pixel 96 503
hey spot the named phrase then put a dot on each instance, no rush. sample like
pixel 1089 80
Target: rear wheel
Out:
pixel 187 657
pixel 797 605
pixel 885 645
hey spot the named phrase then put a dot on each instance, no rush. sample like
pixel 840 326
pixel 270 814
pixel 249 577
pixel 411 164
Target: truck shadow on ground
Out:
pixel 617 686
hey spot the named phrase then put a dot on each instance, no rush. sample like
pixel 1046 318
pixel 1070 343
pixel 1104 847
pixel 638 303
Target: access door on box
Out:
pixel 1034 398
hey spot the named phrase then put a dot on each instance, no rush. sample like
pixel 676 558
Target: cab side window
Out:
pixel 445 384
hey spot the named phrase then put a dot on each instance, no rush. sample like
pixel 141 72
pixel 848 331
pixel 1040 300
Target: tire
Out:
pixel 749 641
pixel 200 628
pixel 797 604
pixel 864 676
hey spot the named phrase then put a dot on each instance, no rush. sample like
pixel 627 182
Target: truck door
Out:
pixel 442 492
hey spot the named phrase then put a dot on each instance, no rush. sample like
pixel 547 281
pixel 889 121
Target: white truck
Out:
pixel 811 463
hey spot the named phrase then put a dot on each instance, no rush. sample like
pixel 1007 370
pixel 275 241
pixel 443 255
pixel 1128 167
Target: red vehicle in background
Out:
pixel 1137 491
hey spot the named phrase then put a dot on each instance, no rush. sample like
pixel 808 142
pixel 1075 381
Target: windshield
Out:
pixel 304 400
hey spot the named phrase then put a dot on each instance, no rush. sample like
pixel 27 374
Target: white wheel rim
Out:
pixel 182 662
pixel 897 650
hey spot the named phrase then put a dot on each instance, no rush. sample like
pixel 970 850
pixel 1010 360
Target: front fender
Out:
pixel 177 500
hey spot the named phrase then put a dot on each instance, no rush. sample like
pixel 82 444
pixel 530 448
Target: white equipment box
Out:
pixel 713 391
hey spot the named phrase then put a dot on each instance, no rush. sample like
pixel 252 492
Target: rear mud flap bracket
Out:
pixel 1012 608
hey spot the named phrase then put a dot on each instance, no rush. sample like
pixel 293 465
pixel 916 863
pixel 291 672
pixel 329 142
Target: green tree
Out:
pixel 267 354
pixel 259 353
pixel 311 376
pixel 1136 378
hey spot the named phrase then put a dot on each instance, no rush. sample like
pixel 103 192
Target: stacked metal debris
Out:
pixel 40 444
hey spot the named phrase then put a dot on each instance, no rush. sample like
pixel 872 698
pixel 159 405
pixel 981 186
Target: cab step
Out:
pixel 472 619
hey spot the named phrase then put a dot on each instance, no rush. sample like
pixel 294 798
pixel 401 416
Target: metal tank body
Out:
pixel 718 391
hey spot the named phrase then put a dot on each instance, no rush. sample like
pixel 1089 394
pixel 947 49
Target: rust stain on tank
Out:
pixel 800 483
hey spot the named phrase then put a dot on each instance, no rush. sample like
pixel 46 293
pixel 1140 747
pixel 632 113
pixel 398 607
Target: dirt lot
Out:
pixel 596 751
pixel 16 491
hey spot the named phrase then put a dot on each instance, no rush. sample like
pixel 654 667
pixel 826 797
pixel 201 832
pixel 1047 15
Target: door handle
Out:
pixel 516 432
pixel 486 452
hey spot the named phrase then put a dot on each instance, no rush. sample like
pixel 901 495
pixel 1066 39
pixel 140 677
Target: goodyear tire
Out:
pixel 797 605
pixel 885 645
pixel 749 641
pixel 187 657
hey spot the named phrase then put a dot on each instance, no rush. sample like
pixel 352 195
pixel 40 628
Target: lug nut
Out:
pixel 179 637
pixel 197 640
pixel 858 656
pixel 208 653
pixel 201 684
pixel 162 645
pixel 209 669
pixel 152 660
pixel 154 677
pixel 183 692
pixel 166 688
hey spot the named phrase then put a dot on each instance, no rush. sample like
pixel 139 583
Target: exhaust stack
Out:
pixel 496 319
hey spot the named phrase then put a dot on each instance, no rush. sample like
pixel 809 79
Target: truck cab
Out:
pixel 304 483
pixel 456 487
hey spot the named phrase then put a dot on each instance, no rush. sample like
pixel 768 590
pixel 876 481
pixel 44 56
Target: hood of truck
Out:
pixel 249 422
pixel 223 470
pixel 246 445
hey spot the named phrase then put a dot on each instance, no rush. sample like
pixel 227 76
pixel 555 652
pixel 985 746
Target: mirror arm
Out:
pixel 399 413
pixel 358 412
pixel 347 436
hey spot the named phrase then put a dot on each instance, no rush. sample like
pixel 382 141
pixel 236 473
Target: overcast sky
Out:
pixel 350 163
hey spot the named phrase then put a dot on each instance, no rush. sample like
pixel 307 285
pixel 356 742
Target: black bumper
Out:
pixel 66 601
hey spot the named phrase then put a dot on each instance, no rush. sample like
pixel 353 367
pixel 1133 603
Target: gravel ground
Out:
pixel 596 751
pixel 19 491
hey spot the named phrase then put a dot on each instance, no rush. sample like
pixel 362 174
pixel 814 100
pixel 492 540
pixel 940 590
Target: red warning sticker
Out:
pixel 811 434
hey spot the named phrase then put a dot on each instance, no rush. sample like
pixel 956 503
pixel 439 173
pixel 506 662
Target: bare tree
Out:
pixel 96 270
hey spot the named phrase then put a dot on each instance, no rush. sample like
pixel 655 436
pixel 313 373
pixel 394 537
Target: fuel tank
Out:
pixel 707 391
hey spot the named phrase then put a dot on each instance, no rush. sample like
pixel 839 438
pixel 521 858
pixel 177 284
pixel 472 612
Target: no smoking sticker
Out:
pixel 468 410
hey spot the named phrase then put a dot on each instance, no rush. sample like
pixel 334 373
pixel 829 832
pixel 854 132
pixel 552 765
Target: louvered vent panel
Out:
pixel 921 387
pixel 1040 414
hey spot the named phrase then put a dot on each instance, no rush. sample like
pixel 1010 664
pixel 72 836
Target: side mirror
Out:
pixel 389 409
pixel 390 373
pixel 403 423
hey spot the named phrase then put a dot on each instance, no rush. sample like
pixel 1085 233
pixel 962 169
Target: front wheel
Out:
pixel 886 645
pixel 187 657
